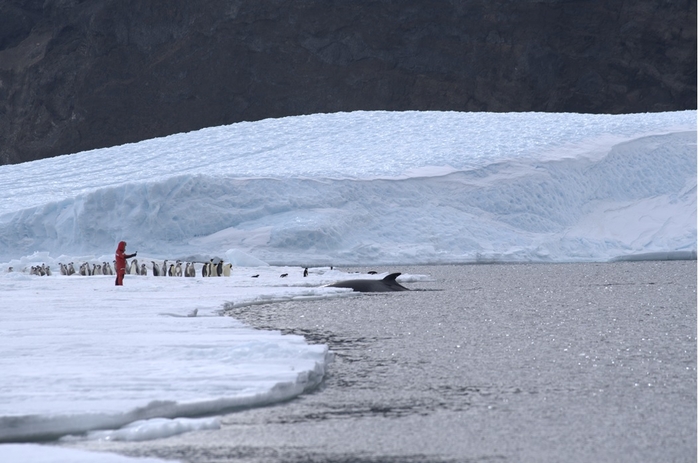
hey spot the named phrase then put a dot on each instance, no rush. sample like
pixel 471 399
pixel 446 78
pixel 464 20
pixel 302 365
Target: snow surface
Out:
pixel 26 453
pixel 83 359
pixel 97 355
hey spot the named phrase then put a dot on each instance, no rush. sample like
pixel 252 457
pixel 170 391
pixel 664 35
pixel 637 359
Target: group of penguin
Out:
pixel 69 269
pixel 39 270
pixel 84 269
pixel 209 269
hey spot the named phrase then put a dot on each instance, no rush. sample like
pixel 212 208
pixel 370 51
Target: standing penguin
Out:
pixel 156 269
pixel 71 269
pixel 107 269
pixel 306 272
pixel 171 270
pixel 144 270
pixel 165 268
pixel 220 268
pixel 178 269
pixel 134 267
pixel 227 270
pixel 205 270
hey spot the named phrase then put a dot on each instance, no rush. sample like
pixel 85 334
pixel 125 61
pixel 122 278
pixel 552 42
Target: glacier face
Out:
pixel 354 188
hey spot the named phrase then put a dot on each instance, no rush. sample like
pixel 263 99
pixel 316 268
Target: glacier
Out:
pixel 372 188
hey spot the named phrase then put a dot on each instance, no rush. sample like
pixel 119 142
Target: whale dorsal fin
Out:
pixel 391 277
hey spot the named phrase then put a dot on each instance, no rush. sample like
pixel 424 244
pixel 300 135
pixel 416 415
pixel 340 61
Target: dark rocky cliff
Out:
pixel 77 75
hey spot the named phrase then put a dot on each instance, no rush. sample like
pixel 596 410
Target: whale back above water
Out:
pixel 386 284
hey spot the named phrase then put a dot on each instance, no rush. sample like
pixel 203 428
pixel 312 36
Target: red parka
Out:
pixel 121 257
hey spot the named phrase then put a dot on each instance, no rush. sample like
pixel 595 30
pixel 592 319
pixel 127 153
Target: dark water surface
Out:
pixel 484 363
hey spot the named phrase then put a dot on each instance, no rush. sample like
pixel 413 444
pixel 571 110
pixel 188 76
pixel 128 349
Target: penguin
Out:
pixel 284 275
pixel 144 270
pixel 210 270
pixel 171 270
pixel 220 268
pixel 178 269
pixel 227 270
pixel 205 269
pixel 63 268
pixel 156 269
pixel 96 269
pixel 48 271
pixel 82 270
pixel 255 276
pixel 165 268
pixel 372 272
pixel 306 272
pixel 70 269
pixel 134 267
pixel 106 269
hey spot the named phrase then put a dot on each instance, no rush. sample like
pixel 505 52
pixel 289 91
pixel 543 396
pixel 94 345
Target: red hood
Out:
pixel 122 246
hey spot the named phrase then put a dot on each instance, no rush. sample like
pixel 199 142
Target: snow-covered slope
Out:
pixel 371 187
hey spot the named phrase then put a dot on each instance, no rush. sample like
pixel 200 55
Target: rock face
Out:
pixel 77 75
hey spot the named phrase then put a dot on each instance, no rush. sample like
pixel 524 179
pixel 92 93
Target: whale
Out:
pixel 386 284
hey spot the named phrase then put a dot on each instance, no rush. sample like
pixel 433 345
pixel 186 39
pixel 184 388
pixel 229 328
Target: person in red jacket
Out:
pixel 120 264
